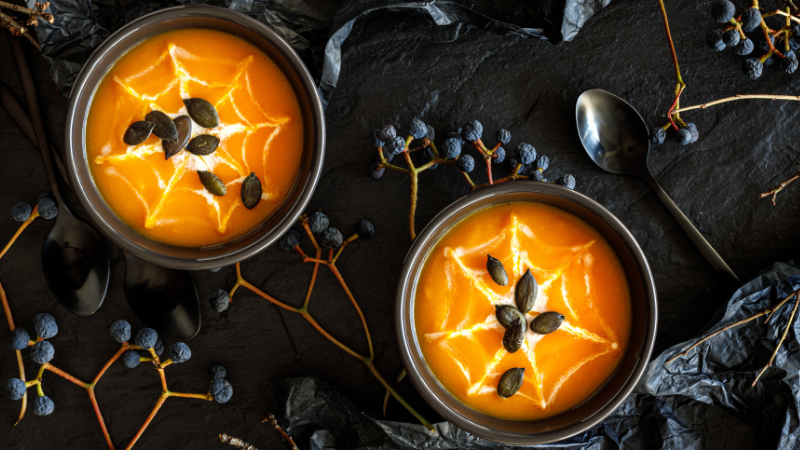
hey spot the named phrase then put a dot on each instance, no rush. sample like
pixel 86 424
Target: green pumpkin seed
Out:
pixel 546 323
pixel 514 336
pixel 251 191
pixel 202 112
pixel 507 314
pixel 497 271
pixel 525 293
pixel 510 382
pixel 165 127
pixel 184 126
pixel 212 183
pixel 202 145
pixel 138 132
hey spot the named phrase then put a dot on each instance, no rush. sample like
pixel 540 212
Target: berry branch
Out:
pixel 389 144
pixel 10 23
pixel 332 240
pixel 769 312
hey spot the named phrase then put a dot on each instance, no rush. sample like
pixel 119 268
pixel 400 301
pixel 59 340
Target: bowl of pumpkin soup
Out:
pixel 195 137
pixel 525 313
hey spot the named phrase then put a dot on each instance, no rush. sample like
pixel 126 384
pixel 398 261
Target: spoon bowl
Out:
pixel 163 299
pixel 617 139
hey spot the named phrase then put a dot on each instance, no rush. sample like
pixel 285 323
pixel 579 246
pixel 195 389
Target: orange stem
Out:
pixel 24 225
pixel 160 402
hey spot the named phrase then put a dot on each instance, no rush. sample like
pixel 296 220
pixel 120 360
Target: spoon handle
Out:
pixel 699 241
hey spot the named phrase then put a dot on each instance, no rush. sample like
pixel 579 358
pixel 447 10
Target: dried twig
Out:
pixel 783 338
pixel 33 13
pixel 16 29
pixel 774 191
pixel 236 442
pixel 738 97
pixel 271 419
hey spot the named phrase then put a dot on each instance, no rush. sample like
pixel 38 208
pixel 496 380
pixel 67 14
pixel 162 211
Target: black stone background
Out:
pixel 395 66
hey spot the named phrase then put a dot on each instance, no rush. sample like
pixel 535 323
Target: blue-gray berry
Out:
pixel 512 163
pixel 44 324
pixel 499 155
pixel 332 238
pixel 744 47
pixel 120 331
pixel 537 175
pixel 21 211
pixel 431 133
pixel 180 352
pixel 684 136
pixel 19 339
pixel 751 19
pixel 146 338
pixel 131 359
pixel 694 132
pixel 451 148
pixel 396 145
pixel 714 40
pixel 789 63
pixel 658 135
pixel 376 170
pixel 427 156
pixel 387 133
pixel 526 153
pixel 731 37
pixel 722 11
pixel 417 128
pixel 42 352
pixel 376 142
pixel 542 162
pixel 44 195
pixel 472 131
pixel 752 67
pixel 568 181
pixel 289 240
pixel 221 390
pixel 503 136
pixel 365 229
pixel 465 163
pixel 48 208
pixel 220 300
pixel 15 389
pixel 43 406
pixel 318 222
pixel 159 347
pixel 457 135
pixel 217 372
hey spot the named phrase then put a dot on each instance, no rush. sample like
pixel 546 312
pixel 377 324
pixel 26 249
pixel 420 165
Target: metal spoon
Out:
pixel 74 257
pixel 617 139
pixel 163 299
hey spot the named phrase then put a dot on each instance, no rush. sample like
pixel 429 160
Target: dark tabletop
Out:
pixel 397 66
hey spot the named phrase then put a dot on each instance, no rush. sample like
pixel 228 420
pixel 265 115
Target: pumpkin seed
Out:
pixel 212 183
pixel 497 271
pixel 546 323
pixel 165 127
pixel 510 382
pixel 138 132
pixel 202 112
pixel 202 145
pixel 525 294
pixel 251 191
pixel 184 126
pixel 507 314
pixel 515 335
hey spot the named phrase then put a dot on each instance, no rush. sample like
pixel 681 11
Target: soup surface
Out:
pixel 579 276
pixel 260 131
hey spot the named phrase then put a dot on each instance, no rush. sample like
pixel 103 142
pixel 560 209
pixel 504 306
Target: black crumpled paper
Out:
pixel 316 29
pixel 701 401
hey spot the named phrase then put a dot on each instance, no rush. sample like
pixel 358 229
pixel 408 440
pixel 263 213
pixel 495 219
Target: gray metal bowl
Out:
pixel 610 395
pixel 194 16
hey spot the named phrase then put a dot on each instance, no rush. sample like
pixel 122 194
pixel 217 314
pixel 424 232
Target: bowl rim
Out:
pixel 82 181
pixel 410 353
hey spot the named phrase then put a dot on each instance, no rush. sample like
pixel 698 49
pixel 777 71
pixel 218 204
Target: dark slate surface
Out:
pixel 398 65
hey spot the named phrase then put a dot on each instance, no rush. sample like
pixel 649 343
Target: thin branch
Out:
pixel 271 419
pixel 39 12
pixel 774 191
pixel 738 97
pixel 16 29
pixel 236 442
pixel 783 337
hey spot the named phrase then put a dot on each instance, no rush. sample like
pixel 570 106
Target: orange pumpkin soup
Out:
pixel 194 198
pixel 578 276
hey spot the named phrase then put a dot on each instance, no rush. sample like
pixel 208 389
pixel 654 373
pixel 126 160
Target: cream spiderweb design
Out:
pixel 239 88
pixel 546 277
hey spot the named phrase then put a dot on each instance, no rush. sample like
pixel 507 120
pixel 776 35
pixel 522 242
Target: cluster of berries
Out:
pixel 47 208
pixel 42 352
pixel 733 35
pixel 687 134
pixel 392 144
pixel 330 237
